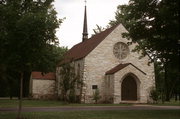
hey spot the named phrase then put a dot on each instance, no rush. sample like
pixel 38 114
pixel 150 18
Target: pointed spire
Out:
pixel 85 31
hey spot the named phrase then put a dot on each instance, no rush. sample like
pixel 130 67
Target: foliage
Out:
pixel 169 87
pixel 154 94
pixel 69 81
pixel 159 79
pixel 98 29
pixel 172 81
pixel 154 25
pixel 57 55
pixel 27 35
pixel 96 96
pixel 3 90
pixel 9 84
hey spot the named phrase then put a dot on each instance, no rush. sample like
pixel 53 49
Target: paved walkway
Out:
pixel 89 108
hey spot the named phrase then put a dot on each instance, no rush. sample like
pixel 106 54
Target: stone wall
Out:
pixel 102 59
pixel 93 67
pixel 43 89
pixel 79 69
pixel 109 89
pixel 58 80
pixel 144 83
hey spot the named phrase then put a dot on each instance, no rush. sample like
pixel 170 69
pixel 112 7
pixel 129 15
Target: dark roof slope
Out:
pixel 39 75
pixel 84 48
pixel 121 66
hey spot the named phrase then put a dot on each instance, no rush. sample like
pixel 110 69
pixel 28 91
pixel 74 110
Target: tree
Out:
pixel 9 81
pixel 154 25
pixel 154 94
pixel 98 29
pixel 27 35
pixel 9 84
pixel 58 55
pixel 96 95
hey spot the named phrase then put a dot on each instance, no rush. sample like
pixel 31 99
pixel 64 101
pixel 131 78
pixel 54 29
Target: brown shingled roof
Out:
pixel 39 75
pixel 121 66
pixel 84 48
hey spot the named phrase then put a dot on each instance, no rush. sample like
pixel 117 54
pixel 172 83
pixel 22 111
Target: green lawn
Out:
pixel 46 103
pixel 171 103
pixel 29 103
pixel 135 114
pixel 114 114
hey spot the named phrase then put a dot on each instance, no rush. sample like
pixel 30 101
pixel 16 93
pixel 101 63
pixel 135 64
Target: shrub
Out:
pixel 154 94
pixel 96 96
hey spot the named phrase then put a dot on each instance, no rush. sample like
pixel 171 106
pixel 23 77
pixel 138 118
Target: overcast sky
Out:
pixel 98 12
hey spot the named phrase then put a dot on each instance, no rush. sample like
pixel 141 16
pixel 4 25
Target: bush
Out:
pixel 96 96
pixel 154 94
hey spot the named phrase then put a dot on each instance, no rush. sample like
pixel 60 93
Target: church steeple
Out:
pixel 85 31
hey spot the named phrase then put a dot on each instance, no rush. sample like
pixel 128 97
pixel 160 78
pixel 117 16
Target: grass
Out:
pixel 50 103
pixel 114 114
pixel 46 103
pixel 171 103
pixel 29 103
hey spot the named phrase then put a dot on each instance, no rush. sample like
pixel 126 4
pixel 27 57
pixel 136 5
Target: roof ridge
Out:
pixel 121 66
pixel 82 49
pixel 113 27
pixel 39 75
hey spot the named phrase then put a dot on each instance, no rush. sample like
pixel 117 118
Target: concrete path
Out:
pixel 89 108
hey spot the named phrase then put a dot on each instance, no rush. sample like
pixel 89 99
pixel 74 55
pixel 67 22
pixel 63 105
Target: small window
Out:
pixel 78 70
pixel 94 87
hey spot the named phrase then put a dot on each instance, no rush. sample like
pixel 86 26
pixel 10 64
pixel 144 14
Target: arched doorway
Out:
pixel 129 88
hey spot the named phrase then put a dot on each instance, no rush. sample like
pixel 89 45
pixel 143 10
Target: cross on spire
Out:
pixel 85 2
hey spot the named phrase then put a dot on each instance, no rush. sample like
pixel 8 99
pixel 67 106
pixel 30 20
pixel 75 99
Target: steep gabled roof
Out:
pixel 121 66
pixel 39 75
pixel 84 48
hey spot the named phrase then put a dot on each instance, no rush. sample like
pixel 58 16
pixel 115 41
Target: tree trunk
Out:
pixel 166 87
pixel 20 96
pixel 176 96
pixel 163 91
pixel 162 97
pixel 11 97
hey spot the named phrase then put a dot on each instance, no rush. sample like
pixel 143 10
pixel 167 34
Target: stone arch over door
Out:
pixel 130 88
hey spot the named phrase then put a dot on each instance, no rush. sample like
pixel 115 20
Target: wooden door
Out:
pixel 129 89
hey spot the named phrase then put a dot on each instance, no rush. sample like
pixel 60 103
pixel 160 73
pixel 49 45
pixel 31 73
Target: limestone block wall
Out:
pixel 79 66
pixel 79 69
pixel 43 89
pixel 57 80
pixel 102 59
pixel 143 84
pixel 109 89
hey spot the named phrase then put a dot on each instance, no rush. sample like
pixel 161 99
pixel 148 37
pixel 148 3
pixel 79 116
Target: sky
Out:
pixel 99 12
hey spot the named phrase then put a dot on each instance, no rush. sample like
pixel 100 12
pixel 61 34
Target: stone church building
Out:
pixel 106 62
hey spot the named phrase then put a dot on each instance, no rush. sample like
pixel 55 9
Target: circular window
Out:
pixel 121 50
